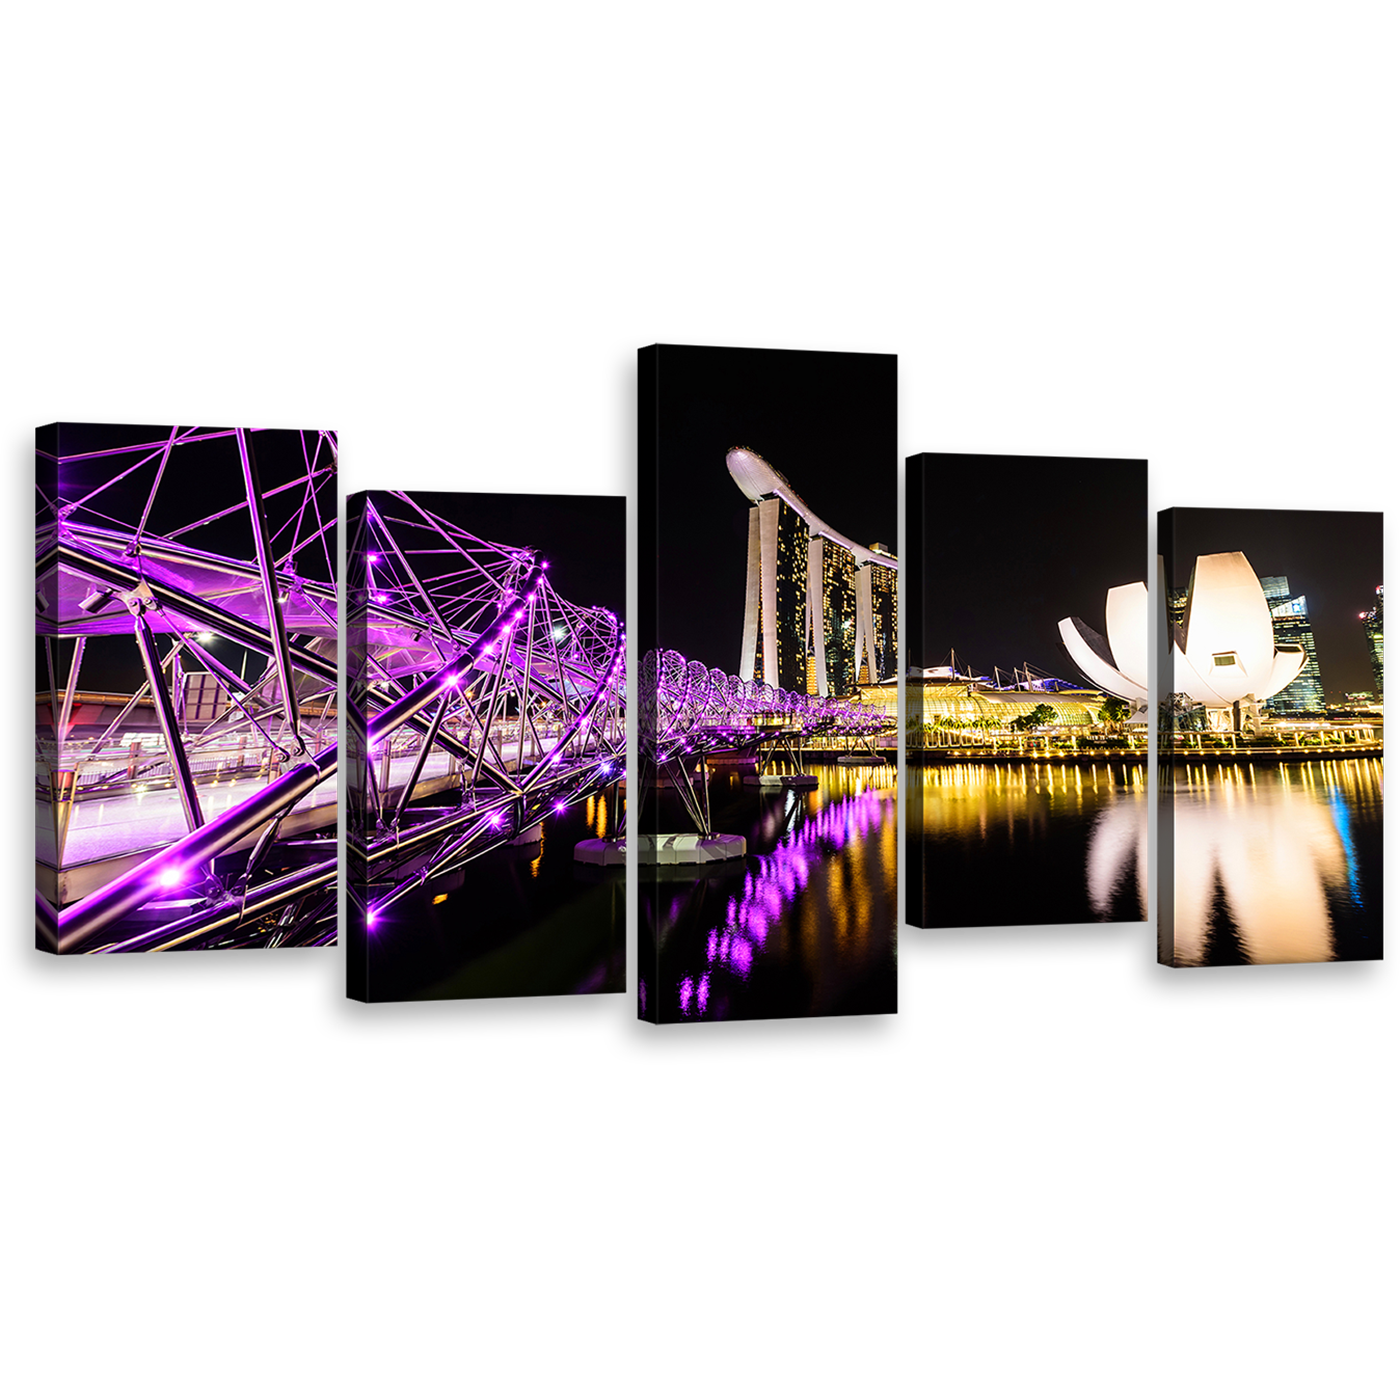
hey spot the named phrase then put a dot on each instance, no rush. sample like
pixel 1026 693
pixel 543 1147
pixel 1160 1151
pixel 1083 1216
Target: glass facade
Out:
pixel 792 601
pixel 1293 628
pixel 1375 640
pixel 776 521
pixel 936 703
pixel 821 600
pixel 839 615
pixel 884 588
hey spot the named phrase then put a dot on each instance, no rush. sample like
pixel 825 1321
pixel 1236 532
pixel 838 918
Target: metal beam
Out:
pixel 169 726
pixel 163 871
pixel 277 627
pixel 294 885
pixel 193 609
pixel 423 747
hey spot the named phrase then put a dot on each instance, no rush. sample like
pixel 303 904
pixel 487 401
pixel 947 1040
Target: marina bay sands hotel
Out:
pixel 821 613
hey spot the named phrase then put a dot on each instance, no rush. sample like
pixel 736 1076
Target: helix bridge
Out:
pixel 480 701
pixel 689 712
pixel 472 681
pixel 201 560
pixel 475 681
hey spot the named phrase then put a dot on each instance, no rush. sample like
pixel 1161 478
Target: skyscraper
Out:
pixel 1176 610
pixel 1375 639
pixel 821 613
pixel 1292 627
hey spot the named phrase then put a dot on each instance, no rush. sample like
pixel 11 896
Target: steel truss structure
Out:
pixel 689 711
pixel 120 553
pixel 471 681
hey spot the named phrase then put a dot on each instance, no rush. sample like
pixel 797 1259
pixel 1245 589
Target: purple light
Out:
pixel 372 558
pixel 169 876
pixel 497 818
pixel 371 917
pixel 561 805
pixel 381 597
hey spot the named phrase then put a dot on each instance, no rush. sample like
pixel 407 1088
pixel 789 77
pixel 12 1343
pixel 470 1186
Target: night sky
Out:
pixel 825 420
pixel 1332 556
pixel 1014 544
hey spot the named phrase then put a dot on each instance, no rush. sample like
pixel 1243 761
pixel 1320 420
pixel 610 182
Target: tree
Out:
pixel 1114 713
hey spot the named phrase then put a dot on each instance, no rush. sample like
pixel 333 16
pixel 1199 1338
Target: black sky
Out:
pixel 1014 544
pixel 825 420
pixel 1332 556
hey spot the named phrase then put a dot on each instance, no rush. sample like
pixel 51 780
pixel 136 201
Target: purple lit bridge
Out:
pixel 472 678
pixel 481 702
pixel 689 712
pixel 196 809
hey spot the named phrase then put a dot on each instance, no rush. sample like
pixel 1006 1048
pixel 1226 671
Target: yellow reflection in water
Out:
pixel 1267 841
pixel 971 781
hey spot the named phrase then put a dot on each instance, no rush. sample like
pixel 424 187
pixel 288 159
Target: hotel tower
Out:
pixel 821 613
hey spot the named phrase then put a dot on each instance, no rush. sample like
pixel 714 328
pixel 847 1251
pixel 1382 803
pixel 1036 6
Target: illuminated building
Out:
pixel 1224 657
pixel 821 613
pixel 1375 640
pixel 950 701
pixel 1292 628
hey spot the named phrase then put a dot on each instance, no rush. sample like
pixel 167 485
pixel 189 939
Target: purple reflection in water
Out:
pixel 770 890
pixel 757 926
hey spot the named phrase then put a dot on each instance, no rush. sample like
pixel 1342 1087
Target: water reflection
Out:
pixel 1277 864
pixel 1118 855
pixel 1040 843
pixel 805 925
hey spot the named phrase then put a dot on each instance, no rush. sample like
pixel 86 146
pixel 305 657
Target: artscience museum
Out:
pixel 1224 654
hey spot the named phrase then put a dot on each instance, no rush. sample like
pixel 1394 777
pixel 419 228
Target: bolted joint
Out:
pixel 140 600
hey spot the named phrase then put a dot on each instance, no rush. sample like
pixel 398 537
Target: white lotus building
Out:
pixel 1223 653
